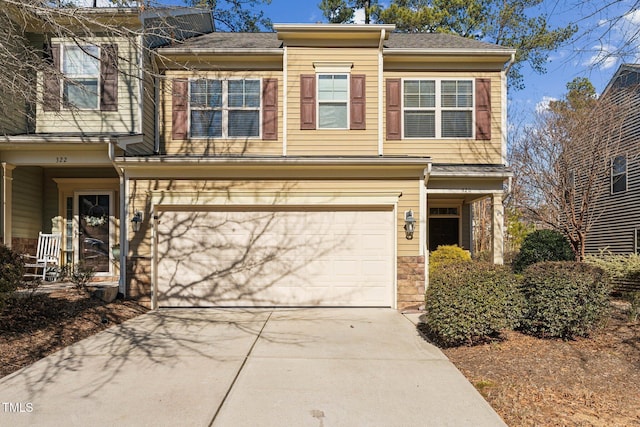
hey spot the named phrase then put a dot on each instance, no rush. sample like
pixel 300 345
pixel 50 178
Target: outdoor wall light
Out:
pixel 409 224
pixel 136 221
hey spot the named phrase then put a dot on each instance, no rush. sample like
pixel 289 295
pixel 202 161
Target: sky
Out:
pixel 596 53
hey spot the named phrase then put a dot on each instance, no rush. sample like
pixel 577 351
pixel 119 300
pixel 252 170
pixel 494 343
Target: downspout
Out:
pixel 424 215
pixel 505 71
pixel 124 247
pixel 380 93
pixel 285 100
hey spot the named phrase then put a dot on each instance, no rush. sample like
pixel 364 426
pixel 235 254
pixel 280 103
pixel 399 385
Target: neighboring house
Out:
pixel 289 166
pixel 95 102
pixel 617 224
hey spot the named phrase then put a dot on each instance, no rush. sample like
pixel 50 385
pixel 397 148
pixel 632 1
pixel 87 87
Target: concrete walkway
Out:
pixel 284 367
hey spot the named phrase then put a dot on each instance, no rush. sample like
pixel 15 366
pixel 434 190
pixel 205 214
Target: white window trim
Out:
pixel 347 101
pixel 225 110
pixel 438 107
pixel 636 241
pixel 70 107
pixel 626 174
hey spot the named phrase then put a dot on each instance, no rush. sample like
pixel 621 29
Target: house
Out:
pixel 316 165
pixel 94 101
pixel 616 227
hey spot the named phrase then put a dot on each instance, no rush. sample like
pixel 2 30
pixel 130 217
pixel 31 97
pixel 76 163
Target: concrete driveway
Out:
pixel 283 367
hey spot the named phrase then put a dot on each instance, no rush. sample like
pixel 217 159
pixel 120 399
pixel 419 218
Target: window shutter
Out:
pixel 180 109
pixel 51 93
pixel 270 109
pixel 358 102
pixel 483 109
pixel 394 109
pixel 307 101
pixel 109 77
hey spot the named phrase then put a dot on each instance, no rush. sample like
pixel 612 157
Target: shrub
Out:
pixel 11 271
pixel 543 245
pixel 564 299
pixel 447 254
pixel 468 302
pixel 81 276
pixel 618 266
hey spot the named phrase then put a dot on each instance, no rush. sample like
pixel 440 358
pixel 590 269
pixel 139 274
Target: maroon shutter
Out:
pixel 270 109
pixel 483 109
pixel 51 93
pixel 109 77
pixel 358 102
pixel 180 109
pixel 394 109
pixel 307 101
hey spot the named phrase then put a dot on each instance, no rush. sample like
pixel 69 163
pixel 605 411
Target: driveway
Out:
pixel 283 367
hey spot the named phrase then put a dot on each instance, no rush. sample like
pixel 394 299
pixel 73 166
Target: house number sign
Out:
pixel 61 159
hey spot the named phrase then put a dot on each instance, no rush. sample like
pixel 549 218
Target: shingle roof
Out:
pixel 219 40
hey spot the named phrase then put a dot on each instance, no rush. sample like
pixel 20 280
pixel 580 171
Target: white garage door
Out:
pixel 283 257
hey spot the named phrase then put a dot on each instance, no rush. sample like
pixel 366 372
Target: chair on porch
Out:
pixel 45 263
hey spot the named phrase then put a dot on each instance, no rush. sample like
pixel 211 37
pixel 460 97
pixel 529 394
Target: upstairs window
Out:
pixel 619 174
pixel 225 108
pixel 438 108
pixel 81 68
pixel 333 99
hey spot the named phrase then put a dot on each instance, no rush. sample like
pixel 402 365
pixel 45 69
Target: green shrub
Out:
pixel 11 272
pixel 618 266
pixel 543 245
pixel 468 302
pixel 447 254
pixel 564 299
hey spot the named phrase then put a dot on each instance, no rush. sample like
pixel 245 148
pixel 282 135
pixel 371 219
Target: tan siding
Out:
pixel 252 146
pixel 27 202
pixel 467 151
pixel 148 113
pixel 139 199
pixel 325 141
pixel 125 120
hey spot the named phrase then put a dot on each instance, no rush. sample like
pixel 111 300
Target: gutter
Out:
pixel 450 52
pixel 132 162
pixel 220 51
pixel 124 243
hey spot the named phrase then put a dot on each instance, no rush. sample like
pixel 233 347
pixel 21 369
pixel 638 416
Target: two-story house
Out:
pixel 313 166
pixel 95 101
pixel 616 225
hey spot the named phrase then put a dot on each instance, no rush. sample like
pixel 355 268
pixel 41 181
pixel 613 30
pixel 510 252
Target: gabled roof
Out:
pixel 218 40
pixel 623 71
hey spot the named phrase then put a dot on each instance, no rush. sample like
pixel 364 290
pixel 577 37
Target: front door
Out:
pixel 94 230
pixel 443 231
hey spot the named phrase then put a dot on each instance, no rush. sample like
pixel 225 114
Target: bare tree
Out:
pixel 563 163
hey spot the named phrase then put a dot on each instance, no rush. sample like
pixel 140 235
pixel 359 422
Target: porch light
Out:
pixel 136 221
pixel 409 224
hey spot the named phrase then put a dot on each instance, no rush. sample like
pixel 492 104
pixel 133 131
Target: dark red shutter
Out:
pixel 270 109
pixel 180 109
pixel 483 109
pixel 109 77
pixel 394 109
pixel 307 101
pixel 51 90
pixel 358 100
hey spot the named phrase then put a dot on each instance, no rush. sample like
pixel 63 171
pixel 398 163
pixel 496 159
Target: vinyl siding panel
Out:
pixel 125 120
pixel 460 151
pixel 27 202
pixel 330 141
pixel 216 146
pixel 270 192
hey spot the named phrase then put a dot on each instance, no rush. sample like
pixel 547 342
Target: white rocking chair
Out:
pixel 45 263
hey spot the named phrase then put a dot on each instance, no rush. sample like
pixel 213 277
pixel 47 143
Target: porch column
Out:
pixel 497 227
pixel 7 190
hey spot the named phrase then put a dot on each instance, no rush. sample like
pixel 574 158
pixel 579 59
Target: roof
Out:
pixel 417 41
pixel 622 74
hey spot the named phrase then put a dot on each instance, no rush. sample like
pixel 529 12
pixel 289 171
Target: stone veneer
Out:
pixel 411 282
pixel 24 245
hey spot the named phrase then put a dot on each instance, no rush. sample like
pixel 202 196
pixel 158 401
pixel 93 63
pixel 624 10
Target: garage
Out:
pixel 275 256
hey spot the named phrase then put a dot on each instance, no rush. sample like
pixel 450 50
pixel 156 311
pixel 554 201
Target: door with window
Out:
pixel 444 227
pixel 95 230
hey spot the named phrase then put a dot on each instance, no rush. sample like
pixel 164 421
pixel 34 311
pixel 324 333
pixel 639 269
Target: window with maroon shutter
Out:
pixel 307 101
pixel 358 102
pixel 483 109
pixel 394 109
pixel 179 106
pixel 51 94
pixel 270 109
pixel 109 77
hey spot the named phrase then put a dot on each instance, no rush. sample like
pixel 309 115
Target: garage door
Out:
pixel 338 257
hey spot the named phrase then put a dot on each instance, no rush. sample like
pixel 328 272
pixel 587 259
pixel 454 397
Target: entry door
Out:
pixel 94 211
pixel 443 231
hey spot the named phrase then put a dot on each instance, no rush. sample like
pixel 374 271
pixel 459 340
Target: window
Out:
pixel 333 97
pixel 619 174
pixel 225 108
pixel 636 233
pixel 438 108
pixel 81 67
